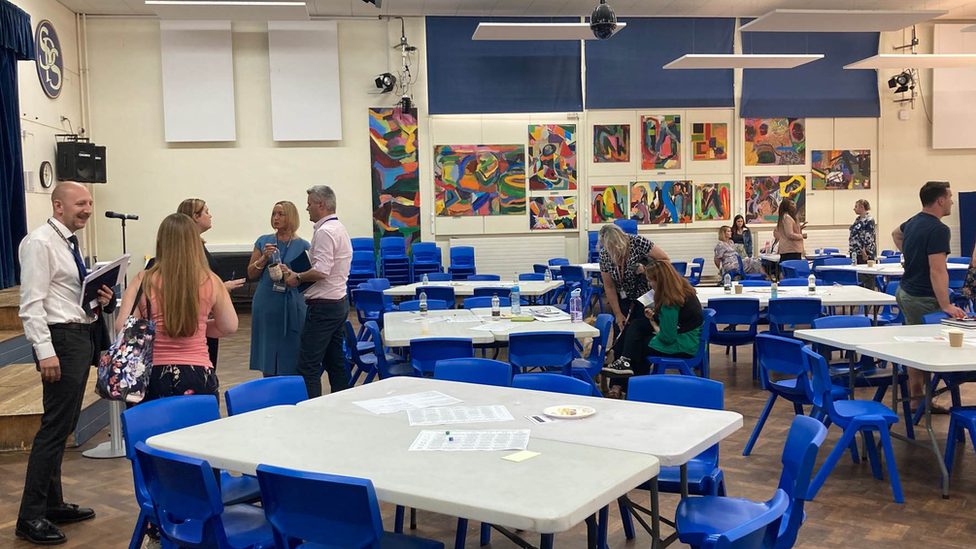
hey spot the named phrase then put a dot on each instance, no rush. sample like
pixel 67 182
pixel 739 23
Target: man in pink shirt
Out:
pixel 328 308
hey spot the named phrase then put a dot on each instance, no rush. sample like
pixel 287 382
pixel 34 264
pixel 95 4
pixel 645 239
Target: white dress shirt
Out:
pixel 331 255
pixel 50 286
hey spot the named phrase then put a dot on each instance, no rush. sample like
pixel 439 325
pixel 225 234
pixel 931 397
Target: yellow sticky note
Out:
pixel 519 457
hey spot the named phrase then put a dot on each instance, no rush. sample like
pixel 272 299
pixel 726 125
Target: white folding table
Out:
pixel 830 296
pixel 883 269
pixel 527 288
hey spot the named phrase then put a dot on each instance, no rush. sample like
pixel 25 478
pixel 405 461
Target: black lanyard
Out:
pixel 82 271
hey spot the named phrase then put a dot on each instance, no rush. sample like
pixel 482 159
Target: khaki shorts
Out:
pixel 916 307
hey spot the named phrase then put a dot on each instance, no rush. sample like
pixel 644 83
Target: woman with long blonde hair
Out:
pixel 278 311
pixel 179 292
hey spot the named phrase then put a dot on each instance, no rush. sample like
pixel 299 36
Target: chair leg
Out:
pixel 485 534
pixel 854 453
pixel 626 519
pixel 735 348
pixel 950 449
pixel 398 520
pixel 461 534
pixel 755 363
pixel 832 459
pixel 892 466
pixel 139 532
pixel 873 456
pixel 759 425
pixel 798 409
pixel 546 542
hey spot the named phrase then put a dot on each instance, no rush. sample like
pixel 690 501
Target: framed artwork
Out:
pixel 764 194
pixel 775 141
pixel 608 203
pixel 661 142
pixel 661 202
pixel 713 201
pixel 552 212
pixel 611 143
pixel 709 141
pixel 552 157
pixel 394 173
pixel 479 180
pixel 841 170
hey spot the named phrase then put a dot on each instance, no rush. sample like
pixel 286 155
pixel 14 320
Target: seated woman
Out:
pixel 676 316
pixel 727 258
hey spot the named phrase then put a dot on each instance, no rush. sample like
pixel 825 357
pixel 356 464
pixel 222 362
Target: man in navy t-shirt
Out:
pixel 924 288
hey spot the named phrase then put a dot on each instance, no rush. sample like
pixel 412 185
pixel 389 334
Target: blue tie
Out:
pixel 82 272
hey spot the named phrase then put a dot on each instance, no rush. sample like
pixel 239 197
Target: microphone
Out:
pixel 116 215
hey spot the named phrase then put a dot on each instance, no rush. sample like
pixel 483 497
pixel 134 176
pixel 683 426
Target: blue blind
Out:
pixel 466 76
pixel 822 89
pixel 625 72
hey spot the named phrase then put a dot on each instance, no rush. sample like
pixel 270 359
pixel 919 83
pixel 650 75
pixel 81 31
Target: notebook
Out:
pixel 301 264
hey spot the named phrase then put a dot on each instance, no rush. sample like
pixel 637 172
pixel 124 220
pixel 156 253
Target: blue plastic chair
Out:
pixel 540 268
pixel 383 284
pixel 843 278
pixel 552 383
pixel 593 253
pixel 484 277
pixel 681 267
pixel 483 371
pixel 957 277
pixel 795 268
pixel 687 366
pixel 441 293
pixel 387 364
pixel 360 244
pixel 189 510
pixel 697 266
pixel 755 283
pixel 959 260
pixel 393 247
pixel 426 259
pixel 439 277
pixel 264 393
pixel 830 251
pixel 538 277
pixel 424 353
pixel 891 315
pixel 834 261
pixel 328 511
pixel 791 312
pixel 785 357
pixel 558 262
pixel 749 276
pixel 541 350
pixel 699 518
pixel 798 282
pixel 588 367
pixel 757 533
pixel 853 416
pixel 628 226
pixel 361 362
pixel 155 417
pixel 500 291
pixel 484 302
pixel 462 262
pixel 363 263
pixel 735 311
pixel 891 259
pixel 370 306
pixel 960 420
pixel 432 305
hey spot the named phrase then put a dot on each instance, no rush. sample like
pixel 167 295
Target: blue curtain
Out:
pixel 16 43
pixel 466 76
pixel 625 72
pixel 822 89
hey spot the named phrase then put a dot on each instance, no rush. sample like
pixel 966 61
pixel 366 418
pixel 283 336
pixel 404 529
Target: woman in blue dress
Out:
pixel 277 312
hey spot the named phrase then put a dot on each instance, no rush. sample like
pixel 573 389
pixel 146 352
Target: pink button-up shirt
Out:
pixel 331 255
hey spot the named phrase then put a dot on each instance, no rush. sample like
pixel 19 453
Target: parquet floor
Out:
pixel 852 510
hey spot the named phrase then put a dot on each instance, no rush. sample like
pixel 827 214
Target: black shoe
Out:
pixel 68 513
pixel 40 532
pixel 618 368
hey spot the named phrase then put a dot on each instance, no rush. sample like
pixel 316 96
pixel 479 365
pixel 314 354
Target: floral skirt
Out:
pixel 181 379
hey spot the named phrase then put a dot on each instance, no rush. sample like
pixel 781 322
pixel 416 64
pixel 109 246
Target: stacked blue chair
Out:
pixel 542 350
pixel 795 268
pixel 462 262
pixel 440 293
pixel 735 312
pixel 394 263
pixel 483 371
pixel 327 511
pixel 586 368
pixel 687 366
pixel 785 313
pixel 628 226
pixel 364 244
pixel 853 416
pixel 961 419
pixel 426 260
pixel 362 268
pixel 264 393
pixel 784 356
pixel 387 364
pixel 593 253
pixel 552 383
pixel 188 505
pixel 699 519
pixel 425 353
pixel 697 266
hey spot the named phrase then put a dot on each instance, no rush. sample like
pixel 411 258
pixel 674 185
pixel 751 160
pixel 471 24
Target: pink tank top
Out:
pixel 186 350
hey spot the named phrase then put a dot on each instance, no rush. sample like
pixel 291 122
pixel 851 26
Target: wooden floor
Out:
pixel 852 510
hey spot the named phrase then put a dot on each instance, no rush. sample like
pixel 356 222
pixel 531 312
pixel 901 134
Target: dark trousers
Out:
pixel 212 346
pixel 321 343
pixel 75 347
pixel 637 334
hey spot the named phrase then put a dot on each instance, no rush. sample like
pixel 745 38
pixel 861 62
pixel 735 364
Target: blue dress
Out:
pixel 277 318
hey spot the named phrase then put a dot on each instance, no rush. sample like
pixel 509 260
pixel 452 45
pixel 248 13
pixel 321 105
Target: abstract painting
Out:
pixel 713 201
pixel 709 141
pixel 764 194
pixel 841 170
pixel 608 203
pixel 394 173
pixel 775 141
pixel 479 180
pixel 660 202
pixel 611 143
pixel 552 157
pixel 661 142
pixel 552 212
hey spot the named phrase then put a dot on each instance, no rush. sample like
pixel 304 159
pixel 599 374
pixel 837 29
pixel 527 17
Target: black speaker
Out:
pixel 100 173
pixel 76 161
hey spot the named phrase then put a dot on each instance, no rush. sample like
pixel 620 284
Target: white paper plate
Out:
pixel 569 411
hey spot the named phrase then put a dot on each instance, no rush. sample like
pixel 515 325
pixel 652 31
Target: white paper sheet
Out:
pixel 400 403
pixel 470 441
pixel 419 319
pixel 463 319
pixel 458 414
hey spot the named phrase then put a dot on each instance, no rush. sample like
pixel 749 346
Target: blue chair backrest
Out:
pixel 891 259
pixel 532 276
pixel 735 310
pixel 755 283
pixel 798 282
pixel 439 277
pixel 264 393
pixel 380 283
pixel 442 293
pixel 331 510
pixel 539 268
pixel 560 261
pixel 484 301
pixel 483 371
pixel 537 349
pixel 424 353
pixel 363 262
pixel 500 291
pixel 962 260
pixel 781 355
pixel 799 456
pixel 678 390
pixel 957 277
pixel 369 301
pixel 462 256
pixel 381 364
pixel 363 244
pixel 572 273
pixel 934 318
pixel 681 267
pixel 393 246
pixel 593 238
pixel 185 494
pixel 432 305
pixel 352 349
pixel 757 533
pixel 793 310
pixel 844 278
pixel 819 388
pixel 628 226
pixel 485 277
pixel 697 266
pixel 839 321
pixel 425 252
pixel 552 383
pixel 830 250
pixel 831 261
pixel 598 351
pixel 795 268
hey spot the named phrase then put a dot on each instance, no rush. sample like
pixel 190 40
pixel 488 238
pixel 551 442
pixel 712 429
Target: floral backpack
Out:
pixel 123 372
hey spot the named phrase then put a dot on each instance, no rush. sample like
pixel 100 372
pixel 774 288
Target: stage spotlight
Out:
pixel 385 82
pixel 901 83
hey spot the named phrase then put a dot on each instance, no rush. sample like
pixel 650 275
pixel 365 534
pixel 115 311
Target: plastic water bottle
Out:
pixel 496 307
pixel 774 290
pixel 727 283
pixel 516 301
pixel 548 275
pixel 812 284
pixel 575 307
pixel 423 303
pixel 426 280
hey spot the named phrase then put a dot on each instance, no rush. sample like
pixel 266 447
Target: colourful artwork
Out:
pixel 709 141
pixel 552 212
pixel 775 142
pixel 608 203
pixel 552 157
pixel 659 202
pixel 661 142
pixel 713 201
pixel 479 179
pixel 395 176
pixel 765 192
pixel 841 170
pixel 611 143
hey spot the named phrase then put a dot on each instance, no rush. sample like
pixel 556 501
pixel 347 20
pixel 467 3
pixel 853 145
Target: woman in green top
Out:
pixel 676 316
